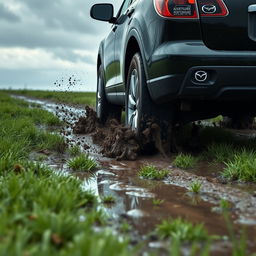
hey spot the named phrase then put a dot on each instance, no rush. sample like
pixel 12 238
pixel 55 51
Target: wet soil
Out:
pixel 134 196
pixel 115 140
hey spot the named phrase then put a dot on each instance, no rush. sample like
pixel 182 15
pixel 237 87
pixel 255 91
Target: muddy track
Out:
pixel 134 195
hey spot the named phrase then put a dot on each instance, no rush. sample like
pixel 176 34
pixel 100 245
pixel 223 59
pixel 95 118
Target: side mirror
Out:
pixel 103 12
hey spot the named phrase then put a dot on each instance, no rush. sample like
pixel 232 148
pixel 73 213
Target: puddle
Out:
pixel 134 196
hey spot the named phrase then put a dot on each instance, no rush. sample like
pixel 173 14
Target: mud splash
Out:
pixel 115 140
pixel 118 141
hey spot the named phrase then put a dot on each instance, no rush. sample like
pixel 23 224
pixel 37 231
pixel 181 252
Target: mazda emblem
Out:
pixel 209 9
pixel 201 76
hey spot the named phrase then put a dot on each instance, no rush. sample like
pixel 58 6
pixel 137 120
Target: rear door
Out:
pixel 122 25
pixel 228 24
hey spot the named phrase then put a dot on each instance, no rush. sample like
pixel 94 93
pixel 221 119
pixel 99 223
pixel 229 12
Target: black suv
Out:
pixel 177 60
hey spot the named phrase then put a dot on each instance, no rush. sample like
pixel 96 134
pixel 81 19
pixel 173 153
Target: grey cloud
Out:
pixel 68 54
pixel 59 27
pixel 58 23
pixel 39 78
pixel 65 14
pixel 38 37
pixel 7 15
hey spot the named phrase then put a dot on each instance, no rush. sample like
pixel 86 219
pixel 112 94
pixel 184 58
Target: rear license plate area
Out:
pixel 252 22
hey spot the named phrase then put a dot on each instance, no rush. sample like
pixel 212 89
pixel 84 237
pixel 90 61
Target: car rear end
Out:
pixel 206 51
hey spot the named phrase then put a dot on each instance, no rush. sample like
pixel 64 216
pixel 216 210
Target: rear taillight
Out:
pixel 212 8
pixel 189 8
pixel 177 8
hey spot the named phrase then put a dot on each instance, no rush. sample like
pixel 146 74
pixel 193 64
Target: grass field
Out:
pixel 86 98
pixel 43 213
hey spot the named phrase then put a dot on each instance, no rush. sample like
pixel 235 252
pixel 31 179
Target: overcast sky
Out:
pixel 44 41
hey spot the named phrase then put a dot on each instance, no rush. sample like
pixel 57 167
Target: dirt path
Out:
pixel 134 196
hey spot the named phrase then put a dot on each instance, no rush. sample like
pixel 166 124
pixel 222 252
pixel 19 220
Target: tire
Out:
pixel 104 109
pixel 138 104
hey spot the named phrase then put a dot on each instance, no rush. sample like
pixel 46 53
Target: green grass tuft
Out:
pixel 157 202
pixel 238 239
pixel 151 172
pixel 242 167
pixel 182 230
pixel 74 151
pixel 82 163
pixel 125 227
pixel 220 152
pixel 185 161
pixel 50 141
pixel 195 187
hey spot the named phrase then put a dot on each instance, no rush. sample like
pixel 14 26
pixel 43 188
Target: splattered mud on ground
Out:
pixel 134 196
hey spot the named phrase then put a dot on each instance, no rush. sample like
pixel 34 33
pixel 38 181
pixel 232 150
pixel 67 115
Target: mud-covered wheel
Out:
pixel 138 103
pixel 104 109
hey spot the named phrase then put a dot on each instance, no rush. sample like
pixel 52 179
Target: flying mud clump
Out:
pixel 115 140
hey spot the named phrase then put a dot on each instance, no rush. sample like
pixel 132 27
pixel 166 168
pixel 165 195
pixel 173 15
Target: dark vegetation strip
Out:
pixel 81 98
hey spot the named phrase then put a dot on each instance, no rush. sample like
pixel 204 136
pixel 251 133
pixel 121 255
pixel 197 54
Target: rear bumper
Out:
pixel 231 75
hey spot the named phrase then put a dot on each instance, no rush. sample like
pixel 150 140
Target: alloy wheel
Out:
pixel 99 98
pixel 133 100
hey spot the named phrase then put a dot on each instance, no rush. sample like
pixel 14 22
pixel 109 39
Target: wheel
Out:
pixel 142 112
pixel 138 102
pixel 104 109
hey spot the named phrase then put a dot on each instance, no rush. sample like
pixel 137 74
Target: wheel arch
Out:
pixel 133 46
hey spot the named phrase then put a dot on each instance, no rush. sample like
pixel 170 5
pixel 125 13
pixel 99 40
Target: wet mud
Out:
pixel 115 140
pixel 134 196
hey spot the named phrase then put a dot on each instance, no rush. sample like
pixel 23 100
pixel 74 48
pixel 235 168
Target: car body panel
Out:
pixel 173 50
pixel 230 32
